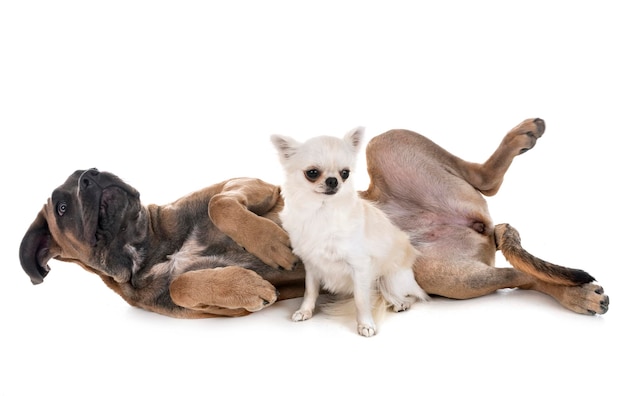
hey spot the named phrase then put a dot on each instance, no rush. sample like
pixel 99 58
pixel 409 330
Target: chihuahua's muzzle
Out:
pixel 332 186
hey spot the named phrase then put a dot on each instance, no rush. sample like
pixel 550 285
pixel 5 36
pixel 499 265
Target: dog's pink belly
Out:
pixel 438 232
pixel 428 229
pixel 448 243
pixel 442 236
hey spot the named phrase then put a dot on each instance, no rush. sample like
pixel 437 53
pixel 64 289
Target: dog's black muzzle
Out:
pixel 88 179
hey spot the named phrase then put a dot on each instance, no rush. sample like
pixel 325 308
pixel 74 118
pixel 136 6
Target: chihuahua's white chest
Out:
pixel 330 242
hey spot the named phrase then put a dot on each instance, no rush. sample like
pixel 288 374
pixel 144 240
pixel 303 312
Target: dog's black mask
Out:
pixel 83 218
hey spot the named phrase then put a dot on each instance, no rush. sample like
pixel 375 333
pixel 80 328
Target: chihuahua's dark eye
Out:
pixel 61 208
pixel 345 174
pixel 312 174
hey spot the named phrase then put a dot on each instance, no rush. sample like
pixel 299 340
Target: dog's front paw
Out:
pixel 273 247
pixel 231 289
pixel 366 329
pixel 247 289
pixel 301 315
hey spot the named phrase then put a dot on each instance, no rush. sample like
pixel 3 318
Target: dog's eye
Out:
pixel 345 174
pixel 61 208
pixel 312 174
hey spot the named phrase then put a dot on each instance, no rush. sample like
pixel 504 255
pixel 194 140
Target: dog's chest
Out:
pixel 331 259
pixel 329 231
pixel 329 242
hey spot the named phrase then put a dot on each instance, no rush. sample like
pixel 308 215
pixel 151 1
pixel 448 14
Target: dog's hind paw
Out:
pixel 524 136
pixel 587 299
pixel 301 315
pixel 366 330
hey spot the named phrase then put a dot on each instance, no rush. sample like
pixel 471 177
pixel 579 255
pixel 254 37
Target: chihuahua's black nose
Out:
pixel 331 182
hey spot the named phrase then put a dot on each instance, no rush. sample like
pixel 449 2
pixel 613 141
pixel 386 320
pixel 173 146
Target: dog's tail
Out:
pixel 509 242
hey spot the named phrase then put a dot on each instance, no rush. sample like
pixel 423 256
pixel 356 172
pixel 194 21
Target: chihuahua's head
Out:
pixel 320 165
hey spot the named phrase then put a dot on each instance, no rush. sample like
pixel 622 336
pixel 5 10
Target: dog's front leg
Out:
pixel 362 279
pixel 238 212
pixel 311 292
pixel 228 291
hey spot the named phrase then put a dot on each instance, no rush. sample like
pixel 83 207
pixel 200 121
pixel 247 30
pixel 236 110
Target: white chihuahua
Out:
pixel 348 246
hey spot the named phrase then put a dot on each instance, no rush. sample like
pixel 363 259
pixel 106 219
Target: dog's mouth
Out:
pixel 105 200
pixel 328 190
pixel 108 197
pixel 113 204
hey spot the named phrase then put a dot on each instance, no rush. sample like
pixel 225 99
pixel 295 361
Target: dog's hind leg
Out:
pixel 573 288
pixel 488 177
pixel 464 276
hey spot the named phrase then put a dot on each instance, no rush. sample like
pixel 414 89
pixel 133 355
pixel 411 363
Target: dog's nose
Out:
pixel 87 178
pixel 331 182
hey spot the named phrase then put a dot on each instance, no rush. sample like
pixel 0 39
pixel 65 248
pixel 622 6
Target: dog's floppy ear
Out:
pixel 285 145
pixel 37 249
pixel 354 138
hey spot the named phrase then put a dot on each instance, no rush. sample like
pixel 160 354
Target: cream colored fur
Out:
pixel 348 245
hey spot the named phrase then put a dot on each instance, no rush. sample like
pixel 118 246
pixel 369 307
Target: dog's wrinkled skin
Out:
pixel 220 251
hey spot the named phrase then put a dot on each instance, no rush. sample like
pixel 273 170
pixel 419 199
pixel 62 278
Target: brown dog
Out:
pixel 437 198
pixel 176 259
pixel 220 252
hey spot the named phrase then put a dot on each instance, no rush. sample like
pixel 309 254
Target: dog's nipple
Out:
pixel 478 226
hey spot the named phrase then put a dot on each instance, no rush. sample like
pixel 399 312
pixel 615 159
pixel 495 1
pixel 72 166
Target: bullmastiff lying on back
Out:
pixel 215 252
pixel 221 252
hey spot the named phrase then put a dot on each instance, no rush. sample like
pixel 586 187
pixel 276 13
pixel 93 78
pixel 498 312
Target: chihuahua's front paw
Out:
pixel 366 329
pixel 301 314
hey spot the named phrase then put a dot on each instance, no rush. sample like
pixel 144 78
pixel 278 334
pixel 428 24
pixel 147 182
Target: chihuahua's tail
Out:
pixel 509 242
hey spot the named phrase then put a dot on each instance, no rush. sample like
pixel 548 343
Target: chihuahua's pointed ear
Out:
pixel 355 137
pixel 285 145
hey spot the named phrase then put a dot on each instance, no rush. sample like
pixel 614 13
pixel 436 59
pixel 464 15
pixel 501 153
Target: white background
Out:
pixel 174 96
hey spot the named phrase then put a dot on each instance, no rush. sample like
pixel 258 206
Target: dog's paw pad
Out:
pixel 588 299
pixel 301 315
pixel 366 330
pixel 541 126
